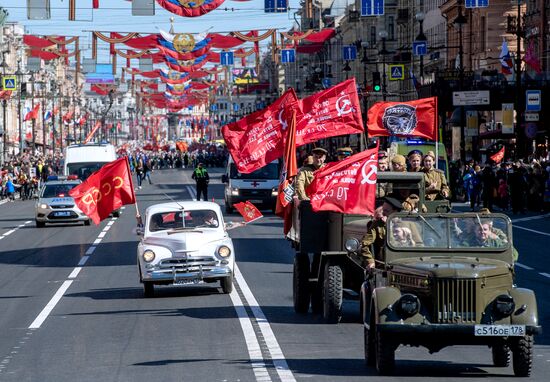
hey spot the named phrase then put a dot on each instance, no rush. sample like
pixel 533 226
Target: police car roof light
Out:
pixel 52 177
pixel 72 177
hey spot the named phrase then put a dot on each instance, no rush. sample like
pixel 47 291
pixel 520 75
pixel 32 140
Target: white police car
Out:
pixel 55 205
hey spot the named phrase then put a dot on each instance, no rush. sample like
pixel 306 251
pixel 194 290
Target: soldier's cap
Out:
pixel 382 154
pixel 399 159
pixel 430 154
pixel 484 211
pixel 344 151
pixel 396 204
pixel 415 152
pixel 320 151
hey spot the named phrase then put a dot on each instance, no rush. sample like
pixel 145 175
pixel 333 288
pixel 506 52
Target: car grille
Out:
pixel 58 206
pixel 455 301
pixel 189 264
pixel 255 193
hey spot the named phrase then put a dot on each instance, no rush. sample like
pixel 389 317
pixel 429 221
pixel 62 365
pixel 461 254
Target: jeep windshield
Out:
pixel 183 220
pixel 438 232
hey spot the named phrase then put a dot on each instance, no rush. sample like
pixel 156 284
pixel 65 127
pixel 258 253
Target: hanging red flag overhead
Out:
pixel 105 190
pixel 248 211
pixel 348 186
pixel 413 118
pixel 499 156
pixel 256 140
pixel 95 4
pixel 331 112
pixel 189 8
pixel 33 114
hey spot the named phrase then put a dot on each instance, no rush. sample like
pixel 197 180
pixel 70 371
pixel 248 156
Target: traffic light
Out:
pixel 376 82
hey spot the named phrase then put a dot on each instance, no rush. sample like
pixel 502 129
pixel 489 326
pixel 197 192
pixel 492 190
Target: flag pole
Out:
pixel 132 185
pixel 436 136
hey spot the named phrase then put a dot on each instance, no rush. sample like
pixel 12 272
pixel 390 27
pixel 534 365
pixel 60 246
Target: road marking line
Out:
pixel 544 274
pixel 279 361
pixel 9 232
pixel 101 235
pixel 96 241
pixel 252 344
pixel 84 260
pixel 532 230
pixel 91 250
pixel 39 320
pixel 75 272
pixel 523 266
pixel 111 223
pixel 192 192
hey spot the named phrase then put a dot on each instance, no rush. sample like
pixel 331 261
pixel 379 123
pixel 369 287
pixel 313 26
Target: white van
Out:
pixel 84 159
pixel 259 187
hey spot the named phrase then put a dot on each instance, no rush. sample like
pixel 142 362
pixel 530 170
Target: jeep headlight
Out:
pixel 408 305
pixel 148 256
pixel 505 305
pixel 274 192
pixel 234 191
pixel 43 206
pixel 352 245
pixel 224 251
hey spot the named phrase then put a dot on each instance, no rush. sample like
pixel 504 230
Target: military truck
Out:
pixel 324 272
pixel 452 285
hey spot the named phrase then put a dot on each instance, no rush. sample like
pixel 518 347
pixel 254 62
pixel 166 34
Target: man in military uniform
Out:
pixel 343 153
pixel 399 163
pixel 376 232
pixel 436 184
pixel 305 175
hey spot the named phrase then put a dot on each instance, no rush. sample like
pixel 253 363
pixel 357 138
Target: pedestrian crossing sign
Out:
pixel 397 72
pixel 9 83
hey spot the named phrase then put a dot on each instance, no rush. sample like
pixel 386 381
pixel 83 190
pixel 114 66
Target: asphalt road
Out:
pixel 72 309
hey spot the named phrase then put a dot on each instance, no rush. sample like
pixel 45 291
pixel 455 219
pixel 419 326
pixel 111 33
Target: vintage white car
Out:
pixel 184 243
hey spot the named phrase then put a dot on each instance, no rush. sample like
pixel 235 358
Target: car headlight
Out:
pixel 505 305
pixel 43 206
pixel 224 251
pixel 408 305
pixel 148 256
pixel 274 192
pixel 234 191
pixel 352 245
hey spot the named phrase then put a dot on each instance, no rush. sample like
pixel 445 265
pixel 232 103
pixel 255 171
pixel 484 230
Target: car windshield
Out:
pixel 447 232
pixel 83 170
pixel 57 190
pixel 183 219
pixel 270 171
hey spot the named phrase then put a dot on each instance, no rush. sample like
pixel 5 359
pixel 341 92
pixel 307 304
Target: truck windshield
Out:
pixel 83 170
pixel 446 232
pixel 270 171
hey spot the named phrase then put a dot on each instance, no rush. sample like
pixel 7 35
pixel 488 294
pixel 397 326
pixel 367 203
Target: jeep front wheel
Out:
pixel 300 283
pixel 333 285
pixel 523 356
pixel 501 355
pixel 370 352
pixel 148 289
pixel 227 284
pixel 385 353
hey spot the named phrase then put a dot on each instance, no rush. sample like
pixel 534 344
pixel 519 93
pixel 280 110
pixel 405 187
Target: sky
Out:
pixel 116 16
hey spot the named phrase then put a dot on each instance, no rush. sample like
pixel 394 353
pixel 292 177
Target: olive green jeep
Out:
pixel 447 279
pixel 324 272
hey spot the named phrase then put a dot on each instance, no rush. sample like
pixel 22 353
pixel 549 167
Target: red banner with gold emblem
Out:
pixel 105 190
pixel 248 211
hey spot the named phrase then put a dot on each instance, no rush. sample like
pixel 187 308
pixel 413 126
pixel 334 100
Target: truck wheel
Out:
pixel 116 213
pixel 148 289
pixel 300 283
pixel 501 355
pixel 523 356
pixel 370 352
pixel 87 222
pixel 227 284
pixel 332 293
pixel 385 354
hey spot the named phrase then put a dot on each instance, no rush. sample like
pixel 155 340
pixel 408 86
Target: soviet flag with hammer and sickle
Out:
pixel 105 190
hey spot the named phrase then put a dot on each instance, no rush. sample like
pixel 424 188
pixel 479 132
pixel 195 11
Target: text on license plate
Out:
pixel 255 201
pixel 187 281
pixel 499 330
pixel 63 213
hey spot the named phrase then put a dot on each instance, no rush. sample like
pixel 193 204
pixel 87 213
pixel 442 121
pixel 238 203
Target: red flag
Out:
pixel 33 114
pixel 256 140
pixel 290 169
pixel 348 186
pixel 248 211
pixel 95 4
pixel 105 190
pixel 498 157
pixel 413 118
pixel 331 112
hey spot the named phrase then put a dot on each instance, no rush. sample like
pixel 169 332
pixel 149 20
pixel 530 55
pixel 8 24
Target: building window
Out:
pixel 391 28
pixel 483 34
pixel 372 35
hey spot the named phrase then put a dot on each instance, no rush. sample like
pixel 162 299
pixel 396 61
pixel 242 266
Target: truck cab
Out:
pixel 84 159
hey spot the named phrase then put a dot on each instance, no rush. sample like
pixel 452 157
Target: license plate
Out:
pixel 63 213
pixel 187 281
pixel 256 201
pixel 499 330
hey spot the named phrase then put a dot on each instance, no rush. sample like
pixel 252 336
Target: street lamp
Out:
pixel 19 75
pixel 421 38
pixel 383 36
pixel 4 104
pixel 460 21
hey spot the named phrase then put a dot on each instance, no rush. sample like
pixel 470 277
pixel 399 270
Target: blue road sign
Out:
pixel 532 100
pixel 420 48
pixel 397 72
pixel 235 107
pixel 349 52
pixel 326 83
pixel 288 56
pixel 276 6
pixel 476 3
pixel 372 7
pixel 226 58
pixel 9 83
